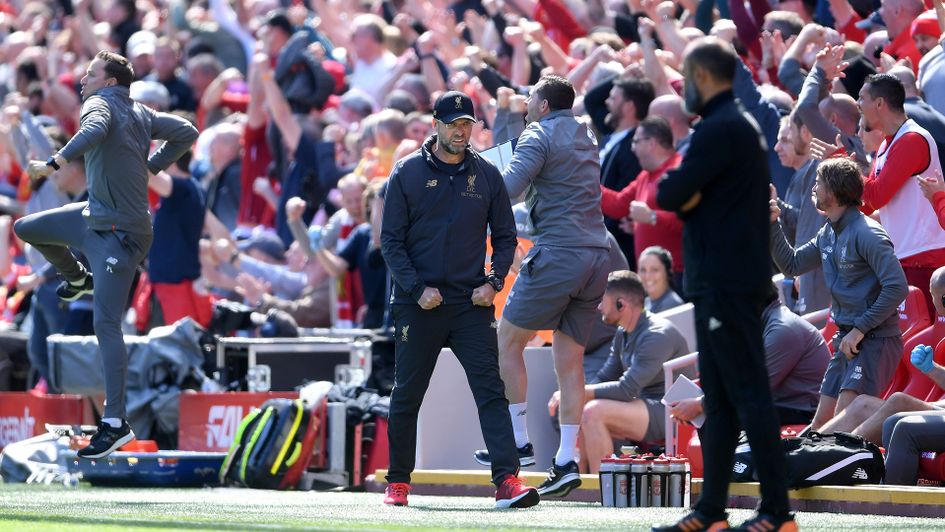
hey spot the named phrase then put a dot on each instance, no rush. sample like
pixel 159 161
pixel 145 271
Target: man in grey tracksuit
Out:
pixel 113 228
pixel 866 284
pixel 562 279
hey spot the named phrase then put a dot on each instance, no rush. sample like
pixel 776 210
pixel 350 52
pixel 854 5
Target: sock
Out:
pixel 113 421
pixel 81 281
pixel 517 411
pixel 569 436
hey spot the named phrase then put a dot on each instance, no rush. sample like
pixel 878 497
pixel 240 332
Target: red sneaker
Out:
pixel 396 494
pixel 512 493
pixel 41 388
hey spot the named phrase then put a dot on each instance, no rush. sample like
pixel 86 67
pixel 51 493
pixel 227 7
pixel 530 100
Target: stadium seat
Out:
pixel 913 318
pixel 913 314
pixel 931 463
pixel 936 393
pixel 932 466
pixel 907 378
pixel 687 445
pixel 828 331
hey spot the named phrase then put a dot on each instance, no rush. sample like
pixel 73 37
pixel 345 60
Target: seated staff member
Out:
pixel 624 400
pixel 796 356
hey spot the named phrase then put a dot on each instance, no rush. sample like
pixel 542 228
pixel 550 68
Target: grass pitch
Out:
pixel 88 508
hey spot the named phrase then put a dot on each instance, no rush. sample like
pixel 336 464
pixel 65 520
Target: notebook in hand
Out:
pixel 684 388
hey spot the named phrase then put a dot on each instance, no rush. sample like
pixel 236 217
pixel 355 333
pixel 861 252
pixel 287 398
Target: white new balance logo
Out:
pixel 860 474
pixel 740 467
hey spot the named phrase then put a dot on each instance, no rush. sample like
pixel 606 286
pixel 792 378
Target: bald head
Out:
pixel 907 78
pixel 937 289
pixel 669 107
pixel 842 111
pixel 225 146
pixel 899 14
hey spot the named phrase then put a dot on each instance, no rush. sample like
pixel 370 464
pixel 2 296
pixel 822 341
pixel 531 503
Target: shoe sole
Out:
pixel 522 462
pixel 115 446
pixel 562 487
pixel 395 504
pixel 526 500
pixel 716 526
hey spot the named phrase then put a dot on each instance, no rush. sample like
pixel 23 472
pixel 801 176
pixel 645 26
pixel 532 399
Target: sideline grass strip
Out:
pixel 86 508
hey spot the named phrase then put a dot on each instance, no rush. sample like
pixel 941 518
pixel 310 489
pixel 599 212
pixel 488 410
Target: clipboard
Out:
pixel 684 388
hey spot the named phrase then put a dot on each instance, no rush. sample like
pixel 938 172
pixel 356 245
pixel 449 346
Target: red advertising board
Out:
pixel 24 415
pixel 208 421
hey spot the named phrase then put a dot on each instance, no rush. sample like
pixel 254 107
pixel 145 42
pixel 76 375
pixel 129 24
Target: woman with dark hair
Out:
pixel 655 266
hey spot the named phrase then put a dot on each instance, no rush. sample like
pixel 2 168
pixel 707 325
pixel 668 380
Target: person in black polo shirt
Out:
pixel 439 202
pixel 721 193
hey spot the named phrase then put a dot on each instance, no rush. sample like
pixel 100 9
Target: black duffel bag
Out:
pixel 839 459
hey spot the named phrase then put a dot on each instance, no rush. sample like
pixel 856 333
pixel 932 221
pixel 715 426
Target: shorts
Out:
pixel 559 288
pixel 869 373
pixel 656 428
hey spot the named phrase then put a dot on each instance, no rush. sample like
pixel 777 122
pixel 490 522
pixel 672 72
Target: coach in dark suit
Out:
pixel 719 192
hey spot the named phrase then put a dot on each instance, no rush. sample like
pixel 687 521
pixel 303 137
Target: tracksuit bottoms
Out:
pixel 113 257
pixel 419 335
pixel 906 436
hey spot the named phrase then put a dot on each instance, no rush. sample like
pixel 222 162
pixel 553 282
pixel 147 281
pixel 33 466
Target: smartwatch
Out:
pixel 51 162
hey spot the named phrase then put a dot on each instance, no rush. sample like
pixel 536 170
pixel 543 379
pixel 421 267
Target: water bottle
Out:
pixel 362 349
pixel 639 483
pixel 607 482
pixel 621 482
pixel 679 482
pixel 659 482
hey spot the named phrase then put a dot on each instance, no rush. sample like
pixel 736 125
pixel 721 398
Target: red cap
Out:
pixel 926 24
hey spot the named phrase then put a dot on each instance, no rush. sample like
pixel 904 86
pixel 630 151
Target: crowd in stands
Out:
pixel 305 106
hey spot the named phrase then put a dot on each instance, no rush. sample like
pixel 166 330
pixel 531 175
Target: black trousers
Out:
pixel 735 380
pixel 470 332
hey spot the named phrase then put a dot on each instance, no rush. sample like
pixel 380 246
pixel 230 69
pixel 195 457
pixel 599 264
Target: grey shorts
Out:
pixel 868 373
pixel 559 288
pixel 655 428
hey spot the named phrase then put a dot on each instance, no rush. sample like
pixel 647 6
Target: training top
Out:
pixel 115 134
pixel 556 164
pixel 865 279
pixel 635 366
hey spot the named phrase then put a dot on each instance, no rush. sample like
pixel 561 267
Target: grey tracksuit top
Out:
pixel 115 136
pixel 865 279
pixel 556 164
pixel 634 368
